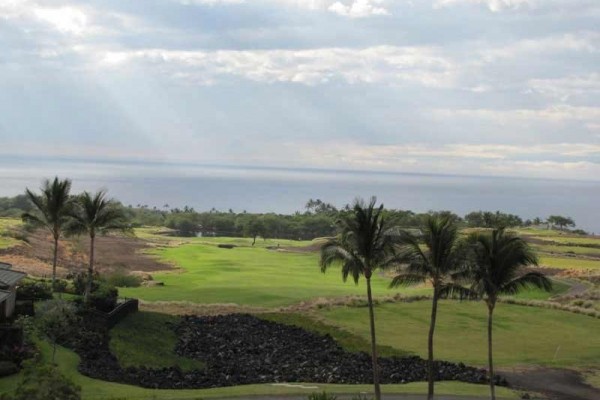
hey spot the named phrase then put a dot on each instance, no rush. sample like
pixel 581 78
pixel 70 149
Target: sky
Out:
pixel 473 87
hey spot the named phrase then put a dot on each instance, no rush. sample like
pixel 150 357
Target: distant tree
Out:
pixel 442 258
pixel 364 245
pixel 319 207
pixel 498 259
pixel 95 214
pixel 186 224
pixel 52 209
pixel 560 221
pixel 252 226
pixel 487 219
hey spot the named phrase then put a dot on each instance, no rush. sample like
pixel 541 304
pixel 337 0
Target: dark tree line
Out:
pixel 317 219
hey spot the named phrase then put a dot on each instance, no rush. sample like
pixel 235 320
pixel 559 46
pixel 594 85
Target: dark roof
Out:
pixel 4 295
pixel 9 277
pixel 4 265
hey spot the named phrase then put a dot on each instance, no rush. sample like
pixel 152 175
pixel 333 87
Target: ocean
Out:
pixel 283 190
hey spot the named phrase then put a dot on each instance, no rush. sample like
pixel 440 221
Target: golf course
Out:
pixel 280 280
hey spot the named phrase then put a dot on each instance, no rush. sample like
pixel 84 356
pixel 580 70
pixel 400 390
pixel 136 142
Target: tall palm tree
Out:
pixel 364 245
pixel 442 257
pixel 52 210
pixel 498 258
pixel 94 214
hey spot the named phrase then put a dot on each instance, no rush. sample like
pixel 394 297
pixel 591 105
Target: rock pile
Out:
pixel 242 349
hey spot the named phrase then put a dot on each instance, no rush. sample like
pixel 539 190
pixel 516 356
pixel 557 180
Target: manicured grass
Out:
pixel 347 340
pixel 93 389
pixel 147 339
pixel 576 250
pixel 568 262
pixel 558 287
pixel 522 335
pixel 249 276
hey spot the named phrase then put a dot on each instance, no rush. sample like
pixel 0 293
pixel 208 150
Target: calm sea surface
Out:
pixel 287 190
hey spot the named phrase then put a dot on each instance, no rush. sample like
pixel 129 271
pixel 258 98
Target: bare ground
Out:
pixel 111 253
pixel 556 384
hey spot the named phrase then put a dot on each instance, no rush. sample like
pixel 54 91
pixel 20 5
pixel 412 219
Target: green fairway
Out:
pixel 249 276
pixel 568 262
pixel 94 389
pixel 569 250
pixel 522 335
pixel 147 339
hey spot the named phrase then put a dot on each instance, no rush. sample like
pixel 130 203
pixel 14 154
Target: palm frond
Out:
pixel 407 279
pixel 528 280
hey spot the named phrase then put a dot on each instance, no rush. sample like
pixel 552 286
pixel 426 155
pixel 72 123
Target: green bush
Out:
pixel 8 368
pixel 122 279
pixel 104 298
pixel 44 382
pixel 33 289
pixel 80 281
pixel 321 396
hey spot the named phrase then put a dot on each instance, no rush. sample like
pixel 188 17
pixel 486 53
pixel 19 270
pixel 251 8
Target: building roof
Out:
pixel 4 265
pixel 9 277
pixel 4 295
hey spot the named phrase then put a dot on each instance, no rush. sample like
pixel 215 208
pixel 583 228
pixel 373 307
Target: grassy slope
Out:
pixel 522 335
pixel 94 389
pixel 250 276
pixel 152 348
pixel 5 225
pixel 569 263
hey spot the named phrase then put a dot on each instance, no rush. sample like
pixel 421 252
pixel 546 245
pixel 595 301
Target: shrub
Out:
pixel 60 285
pixel 80 281
pixel 57 320
pixel 104 298
pixel 44 382
pixel 8 368
pixel 122 279
pixel 32 289
pixel 321 396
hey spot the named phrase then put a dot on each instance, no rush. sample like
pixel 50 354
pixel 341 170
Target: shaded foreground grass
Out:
pixel 93 389
pixel 249 276
pixel 146 339
pixel 522 335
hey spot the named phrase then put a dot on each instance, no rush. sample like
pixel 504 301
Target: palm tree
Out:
pixel 52 209
pixel 498 259
pixel 442 258
pixel 95 214
pixel 364 244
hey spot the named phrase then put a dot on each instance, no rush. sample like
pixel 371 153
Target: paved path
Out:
pixel 557 384
pixel 348 397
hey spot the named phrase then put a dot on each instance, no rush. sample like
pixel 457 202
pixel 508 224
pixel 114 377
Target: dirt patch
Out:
pixel 112 253
pixel 557 384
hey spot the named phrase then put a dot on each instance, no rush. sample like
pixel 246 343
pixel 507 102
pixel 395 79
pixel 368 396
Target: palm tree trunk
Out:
pixel 490 357
pixel 373 343
pixel 430 365
pixel 54 262
pixel 90 277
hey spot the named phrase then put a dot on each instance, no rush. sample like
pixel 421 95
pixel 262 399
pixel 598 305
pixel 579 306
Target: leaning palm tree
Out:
pixel 437 262
pixel 364 245
pixel 52 210
pixel 94 214
pixel 498 257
